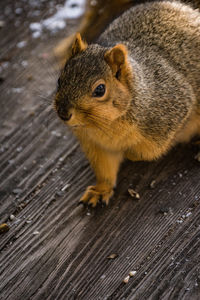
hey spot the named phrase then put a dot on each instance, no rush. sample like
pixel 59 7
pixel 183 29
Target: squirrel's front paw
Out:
pixel 94 194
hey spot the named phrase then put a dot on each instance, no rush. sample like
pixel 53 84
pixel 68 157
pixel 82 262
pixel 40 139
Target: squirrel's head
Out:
pixel 94 86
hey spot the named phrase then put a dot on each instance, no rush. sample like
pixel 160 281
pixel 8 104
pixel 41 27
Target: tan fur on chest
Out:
pixel 127 140
pixel 118 137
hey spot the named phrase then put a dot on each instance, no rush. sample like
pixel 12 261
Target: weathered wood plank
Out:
pixel 134 230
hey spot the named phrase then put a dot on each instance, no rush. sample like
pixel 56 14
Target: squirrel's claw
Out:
pixel 106 197
pixel 93 201
pixel 92 196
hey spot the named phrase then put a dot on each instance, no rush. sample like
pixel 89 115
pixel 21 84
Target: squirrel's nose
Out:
pixel 68 117
pixel 65 116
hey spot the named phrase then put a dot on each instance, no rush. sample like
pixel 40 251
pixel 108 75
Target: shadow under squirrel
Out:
pixel 135 93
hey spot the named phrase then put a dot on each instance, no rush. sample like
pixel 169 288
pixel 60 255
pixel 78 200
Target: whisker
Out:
pixel 51 116
pixel 112 129
pixel 99 121
pixel 98 127
pixel 45 98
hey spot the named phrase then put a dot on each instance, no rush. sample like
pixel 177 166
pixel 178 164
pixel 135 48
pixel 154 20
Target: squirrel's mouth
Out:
pixel 76 126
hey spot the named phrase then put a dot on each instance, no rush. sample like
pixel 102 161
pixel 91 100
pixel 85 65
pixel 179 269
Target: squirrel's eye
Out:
pixel 99 91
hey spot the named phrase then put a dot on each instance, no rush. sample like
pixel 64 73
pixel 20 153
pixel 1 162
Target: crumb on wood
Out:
pixel 126 279
pixel 132 273
pixel 12 217
pixel 153 184
pixel 133 194
pixel 36 232
pixel 112 256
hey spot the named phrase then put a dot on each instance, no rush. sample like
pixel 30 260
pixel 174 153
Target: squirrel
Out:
pixel 135 93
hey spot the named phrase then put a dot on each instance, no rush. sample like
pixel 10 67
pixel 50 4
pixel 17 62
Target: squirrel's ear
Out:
pixel 78 45
pixel 116 58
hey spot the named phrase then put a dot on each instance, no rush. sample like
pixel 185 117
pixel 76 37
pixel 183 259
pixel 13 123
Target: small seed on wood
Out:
pixel 36 232
pixel 132 273
pixel 126 279
pixel 28 221
pixel 65 187
pixel 153 184
pixel 112 256
pixel 12 217
pixel 133 194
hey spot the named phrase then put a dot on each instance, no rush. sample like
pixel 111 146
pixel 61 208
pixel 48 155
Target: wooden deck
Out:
pixel 56 249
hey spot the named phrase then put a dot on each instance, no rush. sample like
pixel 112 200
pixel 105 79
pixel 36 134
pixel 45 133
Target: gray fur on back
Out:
pixel 163 41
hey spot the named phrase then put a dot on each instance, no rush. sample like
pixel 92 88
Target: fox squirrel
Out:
pixel 135 93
